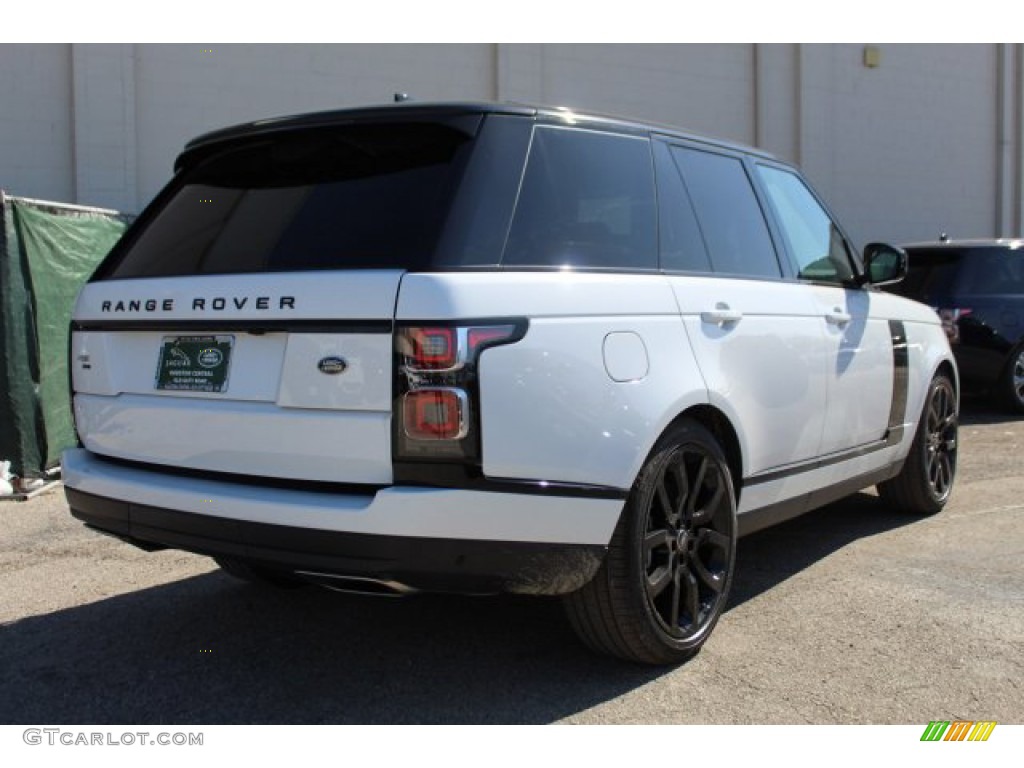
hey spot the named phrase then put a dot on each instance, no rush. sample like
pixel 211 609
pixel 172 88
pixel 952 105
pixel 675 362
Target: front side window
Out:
pixel 729 215
pixel 812 239
pixel 587 200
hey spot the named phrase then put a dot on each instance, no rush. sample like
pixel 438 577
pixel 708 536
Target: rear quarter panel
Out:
pixel 604 367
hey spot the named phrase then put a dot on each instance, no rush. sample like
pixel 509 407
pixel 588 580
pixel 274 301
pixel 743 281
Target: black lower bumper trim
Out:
pixel 428 564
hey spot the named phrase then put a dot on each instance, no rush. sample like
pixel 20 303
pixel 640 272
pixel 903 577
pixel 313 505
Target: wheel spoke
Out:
pixel 692 597
pixel 712 580
pixel 945 473
pixel 659 538
pixel 666 504
pixel 657 581
pixel 683 489
pixel 696 487
pixel 714 538
pixel 705 513
pixel 674 612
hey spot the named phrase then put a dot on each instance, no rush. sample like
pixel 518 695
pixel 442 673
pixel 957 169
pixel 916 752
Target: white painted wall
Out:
pixel 929 141
pixel 104 132
pixel 702 88
pixel 183 91
pixel 35 121
pixel 906 150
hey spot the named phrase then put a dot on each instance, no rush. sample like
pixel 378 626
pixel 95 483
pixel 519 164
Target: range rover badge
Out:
pixel 332 365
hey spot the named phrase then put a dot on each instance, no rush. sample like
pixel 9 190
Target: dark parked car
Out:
pixel 977 287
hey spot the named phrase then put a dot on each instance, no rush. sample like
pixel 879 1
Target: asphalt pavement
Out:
pixel 850 614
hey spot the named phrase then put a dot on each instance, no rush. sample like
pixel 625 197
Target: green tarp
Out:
pixel 47 251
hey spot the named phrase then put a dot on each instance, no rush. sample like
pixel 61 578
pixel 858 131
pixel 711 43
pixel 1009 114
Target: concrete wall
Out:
pixel 35 121
pixel 927 141
pixel 703 88
pixel 182 90
pixel 905 150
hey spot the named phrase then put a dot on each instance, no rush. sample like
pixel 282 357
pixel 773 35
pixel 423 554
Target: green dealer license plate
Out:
pixel 194 363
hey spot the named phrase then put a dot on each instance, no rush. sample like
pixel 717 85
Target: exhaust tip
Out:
pixel 358 585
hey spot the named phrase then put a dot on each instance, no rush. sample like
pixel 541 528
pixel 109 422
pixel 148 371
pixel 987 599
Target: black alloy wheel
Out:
pixel 941 426
pixel 688 542
pixel 1014 380
pixel 670 562
pixel 925 482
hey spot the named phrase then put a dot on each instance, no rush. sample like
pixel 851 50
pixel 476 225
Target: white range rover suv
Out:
pixel 488 348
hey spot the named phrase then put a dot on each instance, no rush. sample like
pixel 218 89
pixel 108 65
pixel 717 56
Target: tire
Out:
pixel 1012 381
pixel 255 574
pixel 666 578
pixel 924 484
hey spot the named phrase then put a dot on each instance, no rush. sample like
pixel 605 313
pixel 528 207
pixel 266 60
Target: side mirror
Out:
pixel 884 264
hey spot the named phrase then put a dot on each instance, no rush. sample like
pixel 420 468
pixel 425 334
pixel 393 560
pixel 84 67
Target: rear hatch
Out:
pixel 244 324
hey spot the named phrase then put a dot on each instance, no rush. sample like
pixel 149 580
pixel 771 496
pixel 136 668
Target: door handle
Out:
pixel 838 317
pixel 721 315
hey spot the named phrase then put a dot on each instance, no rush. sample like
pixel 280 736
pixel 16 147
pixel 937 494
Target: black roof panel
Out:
pixel 412 109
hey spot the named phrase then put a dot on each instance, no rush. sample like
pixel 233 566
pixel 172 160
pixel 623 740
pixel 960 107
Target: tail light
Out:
pixel 435 413
pixel 432 349
pixel 437 396
pixel 950 317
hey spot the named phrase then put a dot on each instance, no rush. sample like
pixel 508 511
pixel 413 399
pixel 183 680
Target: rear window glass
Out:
pixel 352 197
pixel 587 200
pixel 962 272
pixel 994 271
pixel 930 274
pixel 936 273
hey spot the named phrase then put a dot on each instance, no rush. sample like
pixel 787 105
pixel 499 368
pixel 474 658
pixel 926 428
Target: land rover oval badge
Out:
pixel 332 365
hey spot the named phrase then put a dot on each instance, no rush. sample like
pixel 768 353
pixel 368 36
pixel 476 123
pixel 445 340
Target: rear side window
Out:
pixel 994 271
pixel 930 275
pixel 350 197
pixel 587 200
pixel 730 217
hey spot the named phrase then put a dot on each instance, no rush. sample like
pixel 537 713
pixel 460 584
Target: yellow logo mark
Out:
pixel 982 730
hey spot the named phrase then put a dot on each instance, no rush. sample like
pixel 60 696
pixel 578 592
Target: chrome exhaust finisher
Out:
pixel 359 585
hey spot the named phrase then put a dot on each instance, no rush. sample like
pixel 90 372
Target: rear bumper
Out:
pixel 424 538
